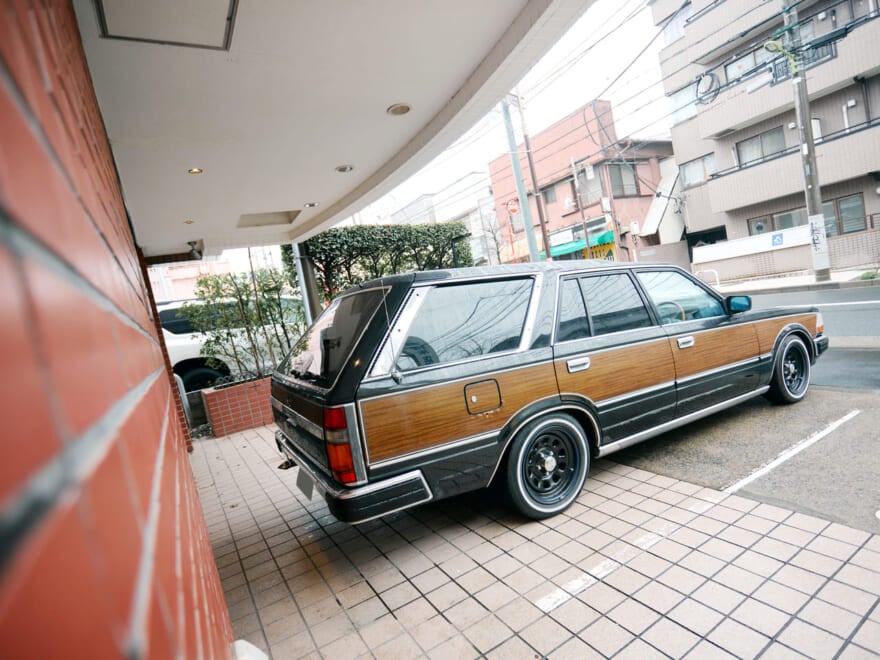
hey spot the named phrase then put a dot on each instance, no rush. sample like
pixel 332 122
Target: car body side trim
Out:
pixel 718 370
pixel 623 443
pixel 458 444
pixel 637 393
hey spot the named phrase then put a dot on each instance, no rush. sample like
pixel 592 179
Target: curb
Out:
pixel 815 286
pixel 854 342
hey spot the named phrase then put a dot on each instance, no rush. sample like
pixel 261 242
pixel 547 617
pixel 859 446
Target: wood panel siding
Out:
pixel 618 371
pixel 411 421
pixel 769 330
pixel 714 348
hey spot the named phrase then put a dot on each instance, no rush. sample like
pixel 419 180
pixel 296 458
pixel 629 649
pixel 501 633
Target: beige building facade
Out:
pixel 737 141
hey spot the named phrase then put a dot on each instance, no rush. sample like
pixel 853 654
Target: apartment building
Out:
pixel 596 192
pixel 737 141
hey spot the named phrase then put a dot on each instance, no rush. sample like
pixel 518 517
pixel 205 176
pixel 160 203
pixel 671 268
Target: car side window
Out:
pixel 572 312
pixel 614 304
pixel 677 298
pixel 461 321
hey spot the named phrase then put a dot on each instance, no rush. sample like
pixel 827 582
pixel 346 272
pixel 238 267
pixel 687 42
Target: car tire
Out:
pixel 791 372
pixel 200 378
pixel 546 466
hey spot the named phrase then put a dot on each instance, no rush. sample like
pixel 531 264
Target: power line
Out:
pixel 490 122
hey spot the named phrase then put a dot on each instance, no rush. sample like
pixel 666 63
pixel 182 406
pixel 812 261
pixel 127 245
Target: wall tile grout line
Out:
pixel 136 644
pixel 66 472
pixel 25 245
pixel 26 112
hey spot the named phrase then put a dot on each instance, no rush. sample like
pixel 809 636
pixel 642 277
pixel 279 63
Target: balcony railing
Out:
pixel 829 137
pixel 781 66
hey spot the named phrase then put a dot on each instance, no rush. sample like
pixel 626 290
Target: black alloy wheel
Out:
pixel 547 466
pixel 791 372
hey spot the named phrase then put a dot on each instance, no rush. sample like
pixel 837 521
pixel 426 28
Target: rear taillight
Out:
pixel 338 446
pixel 820 325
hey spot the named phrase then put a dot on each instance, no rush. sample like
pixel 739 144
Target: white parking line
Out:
pixel 790 452
pixel 603 569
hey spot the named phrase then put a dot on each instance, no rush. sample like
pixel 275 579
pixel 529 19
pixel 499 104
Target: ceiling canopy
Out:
pixel 245 123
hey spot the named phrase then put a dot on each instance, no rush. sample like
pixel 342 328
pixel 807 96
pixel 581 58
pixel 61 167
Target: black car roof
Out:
pixel 503 269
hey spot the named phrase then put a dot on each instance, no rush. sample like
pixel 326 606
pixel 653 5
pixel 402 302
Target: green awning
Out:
pixel 579 245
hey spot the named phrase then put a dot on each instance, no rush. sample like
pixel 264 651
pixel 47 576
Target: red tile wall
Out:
pixel 105 552
pixel 239 407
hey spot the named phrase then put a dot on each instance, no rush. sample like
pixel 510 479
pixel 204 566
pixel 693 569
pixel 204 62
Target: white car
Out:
pixel 198 371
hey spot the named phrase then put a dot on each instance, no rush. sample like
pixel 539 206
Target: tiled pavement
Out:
pixel 640 566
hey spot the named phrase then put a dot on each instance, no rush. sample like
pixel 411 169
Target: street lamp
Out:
pixel 776 47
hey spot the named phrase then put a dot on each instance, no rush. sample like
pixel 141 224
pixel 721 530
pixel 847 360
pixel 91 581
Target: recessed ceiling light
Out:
pixel 344 168
pixel 398 109
pixel 310 205
pixel 195 170
pixel 188 222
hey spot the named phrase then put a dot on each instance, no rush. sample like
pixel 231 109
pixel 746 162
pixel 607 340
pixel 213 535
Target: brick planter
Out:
pixel 238 407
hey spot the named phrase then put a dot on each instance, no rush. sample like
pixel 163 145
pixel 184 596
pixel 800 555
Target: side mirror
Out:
pixel 736 304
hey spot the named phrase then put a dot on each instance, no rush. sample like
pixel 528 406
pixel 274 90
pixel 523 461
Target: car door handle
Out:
pixel 578 364
pixel 686 342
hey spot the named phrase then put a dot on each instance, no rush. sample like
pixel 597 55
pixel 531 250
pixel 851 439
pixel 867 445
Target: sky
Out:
pixel 598 48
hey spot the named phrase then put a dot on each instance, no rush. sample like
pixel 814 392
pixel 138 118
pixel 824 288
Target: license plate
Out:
pixel 305 484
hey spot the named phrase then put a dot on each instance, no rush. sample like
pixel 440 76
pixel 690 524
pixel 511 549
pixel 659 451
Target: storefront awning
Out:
pixel 579 245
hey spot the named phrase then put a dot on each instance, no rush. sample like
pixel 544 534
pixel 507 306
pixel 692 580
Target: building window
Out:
pixel 789 219
pixel 623 179
pixel 844 215
pixel 684 103
pixel 778 221
pixel 746 65
pixel 549 194
pixel 761 146
pixel 760 225
pixel 697 171
pixel 589 186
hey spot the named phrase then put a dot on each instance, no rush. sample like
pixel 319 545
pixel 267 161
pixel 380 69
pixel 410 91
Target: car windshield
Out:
pixel 319 355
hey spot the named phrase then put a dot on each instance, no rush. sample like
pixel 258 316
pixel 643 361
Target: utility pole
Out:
pixel 577 194
pixel 539 198
pixel 528 225
pixel 308 285
pixel 821 260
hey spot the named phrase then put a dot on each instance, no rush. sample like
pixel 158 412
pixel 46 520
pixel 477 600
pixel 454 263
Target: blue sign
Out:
pixel 777 239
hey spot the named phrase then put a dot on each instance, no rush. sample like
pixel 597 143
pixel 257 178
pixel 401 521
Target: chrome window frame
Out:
pixel 383 364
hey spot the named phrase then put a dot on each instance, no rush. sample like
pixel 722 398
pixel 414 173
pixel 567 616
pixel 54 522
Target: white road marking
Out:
pixel 790 452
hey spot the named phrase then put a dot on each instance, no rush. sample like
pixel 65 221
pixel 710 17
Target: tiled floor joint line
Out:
pixel 641 564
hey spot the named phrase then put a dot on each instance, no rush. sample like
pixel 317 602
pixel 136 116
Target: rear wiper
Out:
pixel 304 375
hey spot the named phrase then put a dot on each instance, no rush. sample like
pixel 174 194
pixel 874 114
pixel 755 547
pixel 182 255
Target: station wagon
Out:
pixel 421 386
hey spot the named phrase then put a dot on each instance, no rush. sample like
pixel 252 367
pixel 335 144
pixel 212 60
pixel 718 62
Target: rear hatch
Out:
pixel 324 367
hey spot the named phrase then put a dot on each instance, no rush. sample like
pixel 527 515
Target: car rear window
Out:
pixel 319 355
